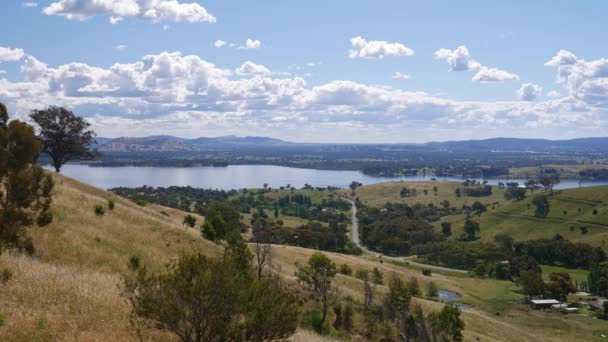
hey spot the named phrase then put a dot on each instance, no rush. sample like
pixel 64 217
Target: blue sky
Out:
pixel 333 71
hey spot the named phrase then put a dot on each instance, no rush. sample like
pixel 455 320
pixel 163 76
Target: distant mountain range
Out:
pixel 164 143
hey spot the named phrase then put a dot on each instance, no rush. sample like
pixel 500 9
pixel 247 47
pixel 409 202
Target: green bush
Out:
pixel 6 275
pixel 432 290
pixel 111 204
pixel 346 270
pixel 312 320
pixel 99 210
pixel 427 272
pixel 141 202
pixel 134 262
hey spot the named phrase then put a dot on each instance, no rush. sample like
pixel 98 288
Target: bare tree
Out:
pixel 263 256
pixel 369 289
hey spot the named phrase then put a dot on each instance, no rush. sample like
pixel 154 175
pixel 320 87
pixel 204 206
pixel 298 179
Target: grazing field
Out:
pixel 570 210
pixel 377 195
pixel 70 289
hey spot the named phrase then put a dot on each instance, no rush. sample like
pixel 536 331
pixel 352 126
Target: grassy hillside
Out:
pixel 71 289
pixel 572 207
pixel 377 195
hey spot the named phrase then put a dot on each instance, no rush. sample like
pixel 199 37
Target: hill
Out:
pixel 70 289
pixel 173 144
pixel 582 207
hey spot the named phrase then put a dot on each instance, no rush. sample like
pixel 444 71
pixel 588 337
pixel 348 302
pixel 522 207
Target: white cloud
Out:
pixel 460 59
pixel 250 68
pixel 29 4
pixel 529 92
pixel 120 47
pixel 2 72
pixel 219 43
pixel 251 44
pixel 10 55
pixel 563 57
pixel 361 48
pixel 172 93
pixel 115 20
pixel 400 76
pixel 486 75
pixel 150 10
pixel 586 81
pixel 554 93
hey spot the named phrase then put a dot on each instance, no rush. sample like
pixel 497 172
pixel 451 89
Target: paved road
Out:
pixel 357 241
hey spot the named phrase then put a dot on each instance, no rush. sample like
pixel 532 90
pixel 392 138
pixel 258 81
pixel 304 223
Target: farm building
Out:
pixel 538 304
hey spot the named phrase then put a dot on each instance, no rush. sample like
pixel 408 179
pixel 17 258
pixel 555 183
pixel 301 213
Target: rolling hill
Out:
pixel 70 288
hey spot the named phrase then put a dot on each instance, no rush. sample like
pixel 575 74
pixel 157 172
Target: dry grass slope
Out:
pixel 71 289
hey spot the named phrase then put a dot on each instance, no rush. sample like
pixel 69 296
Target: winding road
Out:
pixel 357 241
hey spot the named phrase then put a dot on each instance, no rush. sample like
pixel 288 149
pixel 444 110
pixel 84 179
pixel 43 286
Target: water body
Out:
pixel 451 296
pixel 243 176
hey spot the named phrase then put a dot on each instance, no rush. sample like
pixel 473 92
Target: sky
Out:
pixel 312 71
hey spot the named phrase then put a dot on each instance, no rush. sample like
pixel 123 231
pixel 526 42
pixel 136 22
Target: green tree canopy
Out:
pixel 64 135
pixel 25 190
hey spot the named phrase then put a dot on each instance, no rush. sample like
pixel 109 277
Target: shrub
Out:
pixel 99 210
pixel 346 270
pixel 312 320
pixel 432 290
pixel 134 262
pixel 189 221
pixel 594 211
pixel 6 275
pixel 427 272
pixel 141 202
pixel 111 204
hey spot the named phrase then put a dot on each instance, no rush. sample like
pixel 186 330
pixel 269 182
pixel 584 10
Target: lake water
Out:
pixel 240 176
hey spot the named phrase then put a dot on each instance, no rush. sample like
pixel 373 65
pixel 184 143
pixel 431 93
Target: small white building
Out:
pixel 538 304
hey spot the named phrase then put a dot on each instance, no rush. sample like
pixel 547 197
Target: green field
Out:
pixel 572 207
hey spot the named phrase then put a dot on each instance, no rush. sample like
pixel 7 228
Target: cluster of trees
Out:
pixel 395 313
pixel 597 280
pixel 396 228
pixel 474 191
pixel 214 299
pixel 469 255
pixel 561 252
pixel 312 235
pixel 185 198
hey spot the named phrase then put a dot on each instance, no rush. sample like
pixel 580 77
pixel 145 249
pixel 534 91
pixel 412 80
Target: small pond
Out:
pixel 451 296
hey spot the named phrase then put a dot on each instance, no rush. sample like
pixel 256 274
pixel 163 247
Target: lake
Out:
pixel 241 176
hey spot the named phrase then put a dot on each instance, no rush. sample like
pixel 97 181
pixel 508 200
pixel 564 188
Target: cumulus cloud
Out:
pixel 150 10
pixel 219 43
pixel 400 76
pixel 485 75
pixel 563 57
pixel 252 44
pixel 10 55
pixel 172 93
pixel 29 4
pixel 250 68
pixel 362 48
pixel 529 92
pixel 460 59
pixel 120 47
pixel 554 93
pixel 586 81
